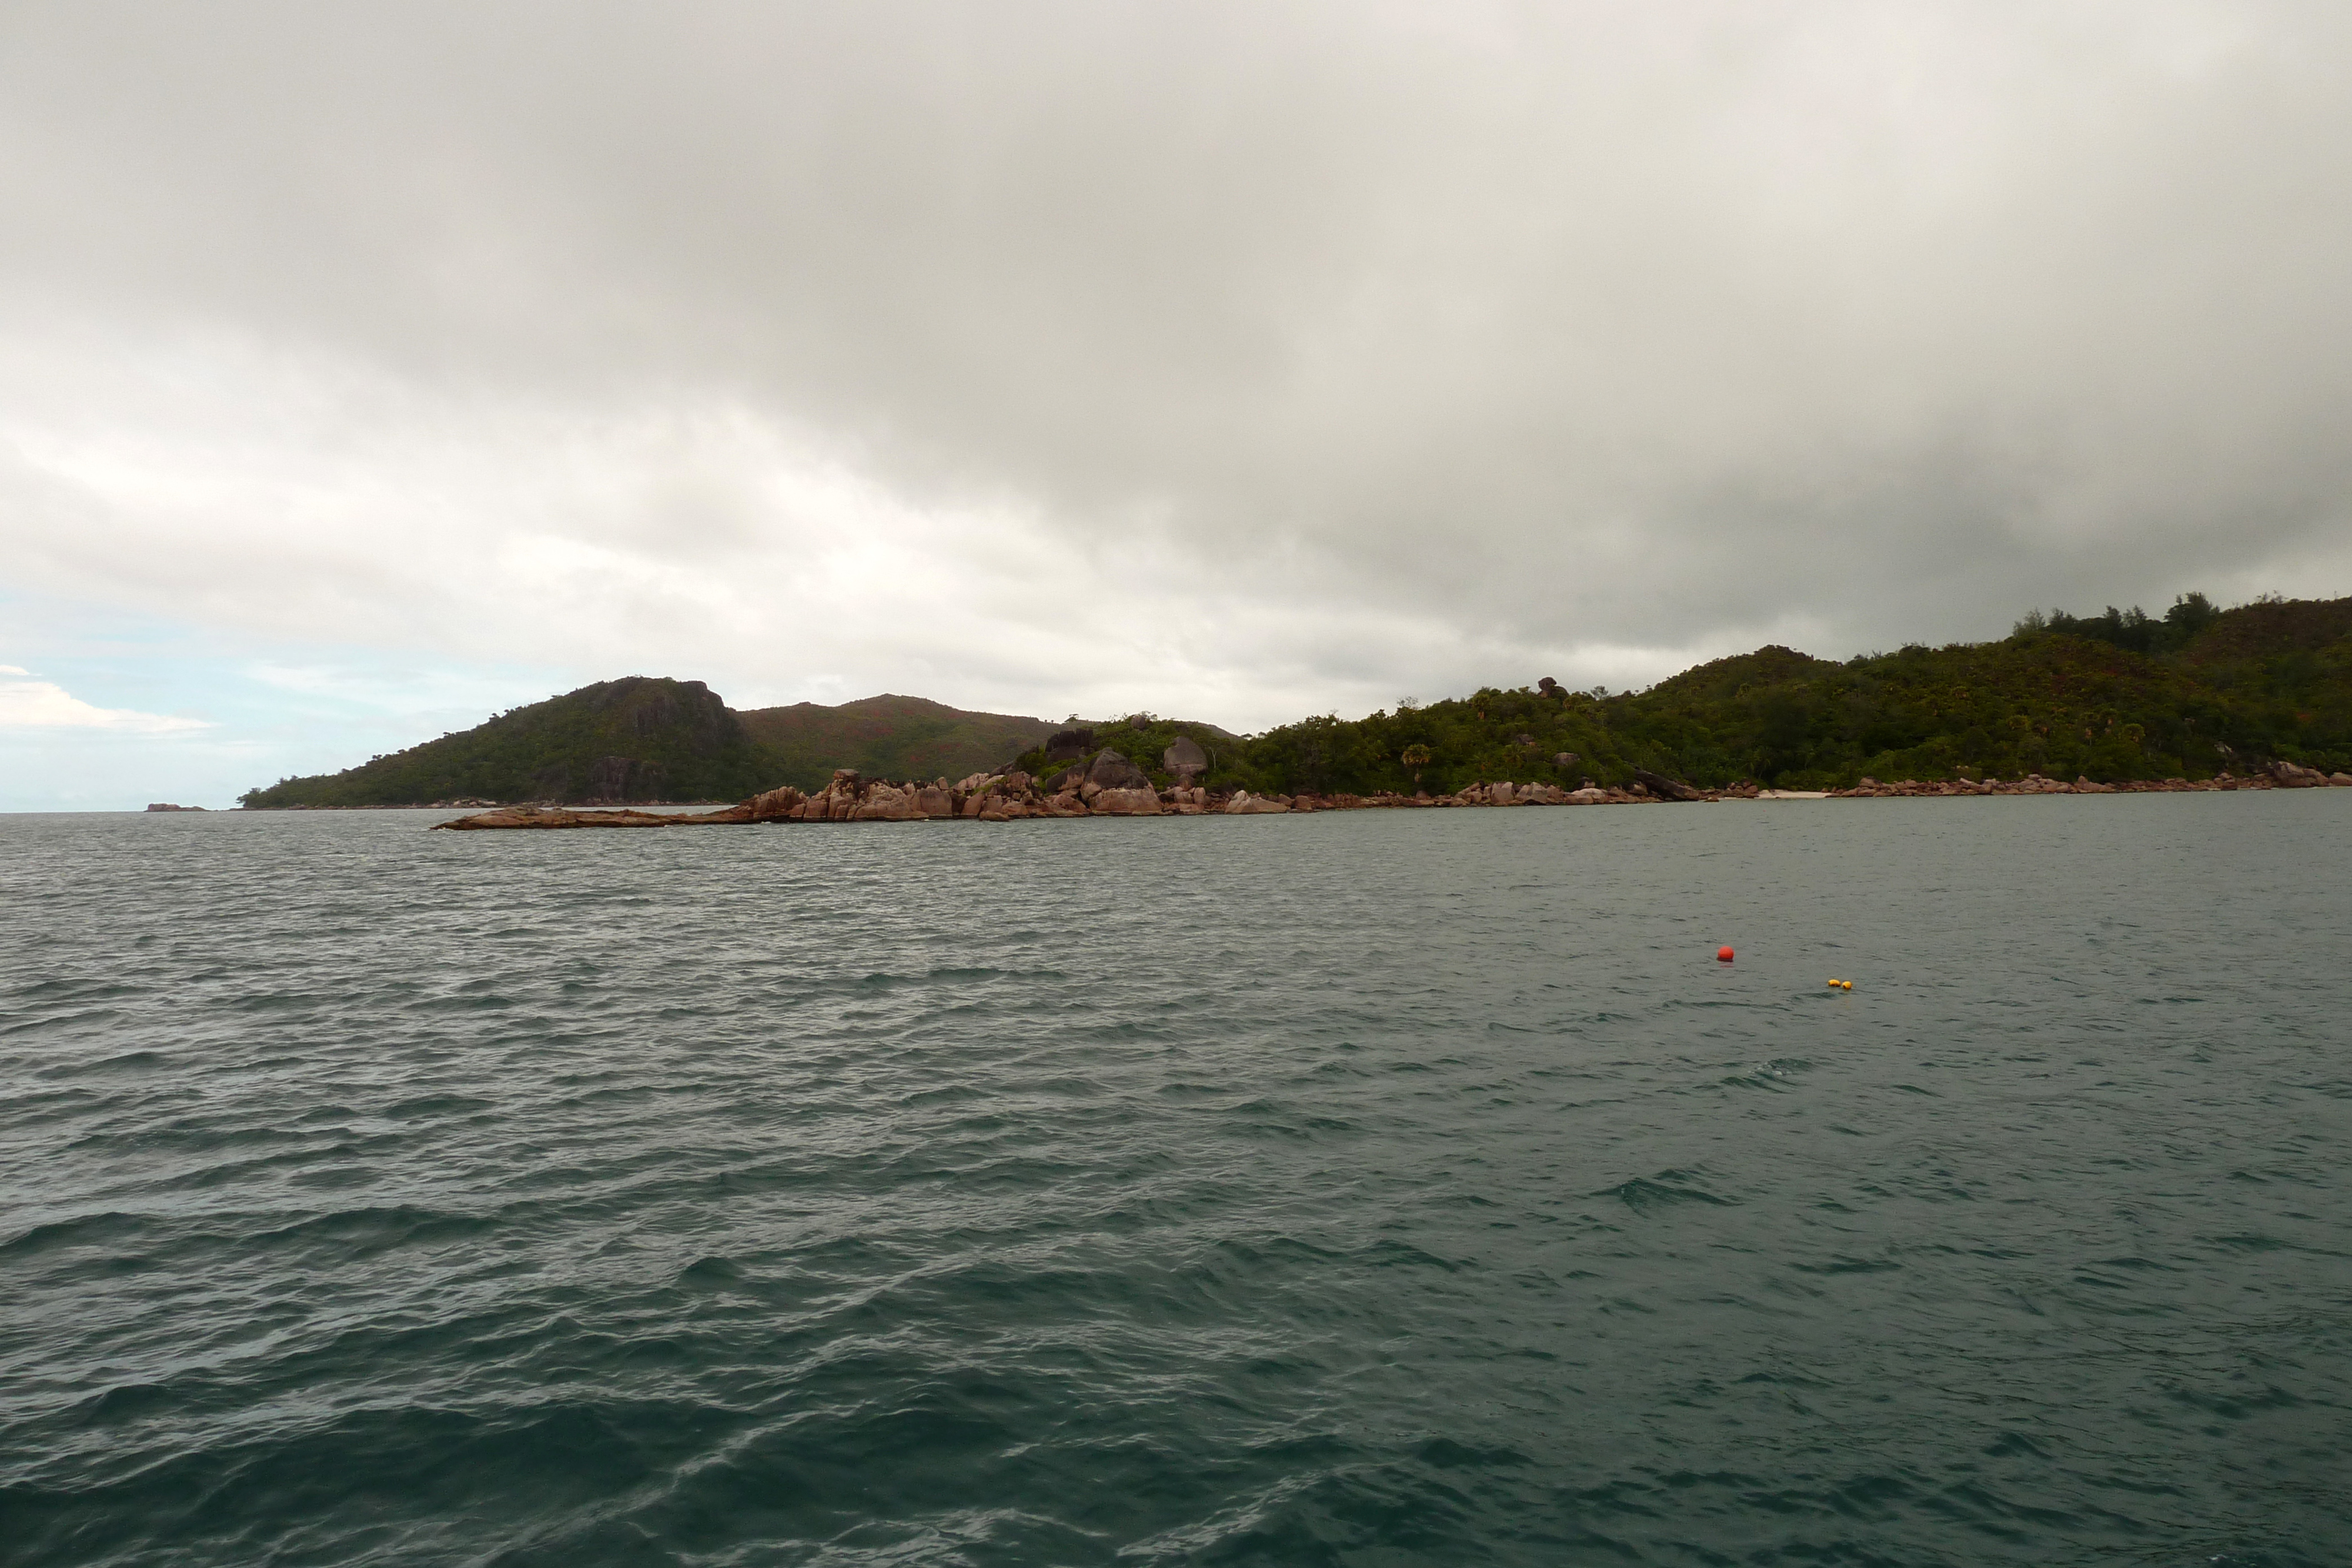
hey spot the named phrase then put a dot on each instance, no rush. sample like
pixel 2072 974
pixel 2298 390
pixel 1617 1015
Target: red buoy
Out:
pixel 1723 955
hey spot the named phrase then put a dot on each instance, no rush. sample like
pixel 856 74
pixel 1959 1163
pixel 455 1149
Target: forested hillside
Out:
pixel 2203 692
pixel 887 736
pixel 640 738
pixel 2121 695
pixel 643 739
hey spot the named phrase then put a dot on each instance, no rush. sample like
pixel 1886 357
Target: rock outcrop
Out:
pixel 888 803
pixel 836 803
pixel 565 817
pixel 1187 801
pixel 1245 804
pixel 1665 788
pixel 2035 784
pixel 1185 759
pixel 1112 772
pixel 1135 802
pixel 776 805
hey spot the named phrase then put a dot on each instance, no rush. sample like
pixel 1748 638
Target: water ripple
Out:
pixel 1369 1189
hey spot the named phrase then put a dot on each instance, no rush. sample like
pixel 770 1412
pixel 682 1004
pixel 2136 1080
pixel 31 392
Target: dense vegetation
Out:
pixel 2135 628
pixel 2124 694
pixel 887 736
pixel 633 739
pixel 2120 695
pixel 1143 739
pixel 643 739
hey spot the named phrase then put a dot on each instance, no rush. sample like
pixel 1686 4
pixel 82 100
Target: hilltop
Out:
pixel 638 739
pixel 645 738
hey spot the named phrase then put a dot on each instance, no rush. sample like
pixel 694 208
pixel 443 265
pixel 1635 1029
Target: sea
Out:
pixel 1382 1188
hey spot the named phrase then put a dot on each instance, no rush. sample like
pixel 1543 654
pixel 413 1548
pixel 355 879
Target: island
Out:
pixel 2199 698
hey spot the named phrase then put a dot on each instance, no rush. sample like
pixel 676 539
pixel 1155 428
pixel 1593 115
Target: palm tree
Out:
pixel 1415 757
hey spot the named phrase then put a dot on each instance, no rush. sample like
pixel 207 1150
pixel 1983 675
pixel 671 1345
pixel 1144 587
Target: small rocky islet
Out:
pixel 1109 785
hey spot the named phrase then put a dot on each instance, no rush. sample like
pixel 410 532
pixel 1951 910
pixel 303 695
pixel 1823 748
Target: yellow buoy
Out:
pixel 1835 984
pixel 1847 984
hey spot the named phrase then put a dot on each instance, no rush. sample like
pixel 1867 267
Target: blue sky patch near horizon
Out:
pixel 156 712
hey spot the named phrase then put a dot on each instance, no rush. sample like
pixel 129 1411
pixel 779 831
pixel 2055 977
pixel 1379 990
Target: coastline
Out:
pixel 1008 796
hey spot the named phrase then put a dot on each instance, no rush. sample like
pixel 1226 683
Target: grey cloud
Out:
pixel 1545 327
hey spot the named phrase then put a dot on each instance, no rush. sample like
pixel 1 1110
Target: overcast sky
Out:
pixel 366 368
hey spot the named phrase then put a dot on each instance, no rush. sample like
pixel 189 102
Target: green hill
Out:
pixel 2121 695
pixel 888 737
pixel 643 739
pixel 640 738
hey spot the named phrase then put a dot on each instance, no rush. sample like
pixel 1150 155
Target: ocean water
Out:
pixel 1374 1188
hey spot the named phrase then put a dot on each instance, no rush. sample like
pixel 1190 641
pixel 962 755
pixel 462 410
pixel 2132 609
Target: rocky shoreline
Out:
pixel 2277 776
pixel 1110 786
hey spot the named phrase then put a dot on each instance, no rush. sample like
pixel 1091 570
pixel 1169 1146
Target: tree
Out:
pixel 1415 757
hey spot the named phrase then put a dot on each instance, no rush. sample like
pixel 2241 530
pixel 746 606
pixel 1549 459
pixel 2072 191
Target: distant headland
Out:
pixel 2255 696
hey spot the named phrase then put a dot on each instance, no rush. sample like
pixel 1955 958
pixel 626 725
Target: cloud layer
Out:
pixel 1241 359
pixel 29 704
